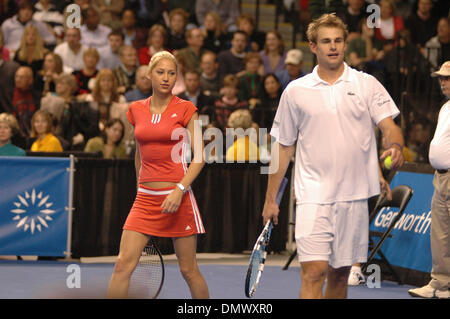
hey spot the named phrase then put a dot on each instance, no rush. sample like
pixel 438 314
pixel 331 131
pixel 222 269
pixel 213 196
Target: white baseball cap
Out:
pixel 443 71
pixel 294 56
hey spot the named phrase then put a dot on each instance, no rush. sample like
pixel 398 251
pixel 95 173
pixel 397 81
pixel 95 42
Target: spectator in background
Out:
pixel 25 100
pixel 46 12
pixel 7 70
pixel 148 12
pixel 421 23
pixel 125 73
pixel 264 113
pixel 243 148
pixel 355 11
pixel 109 11
pixel 390 22
pixel 156 42
pixel 8 128
pixel 229 101
pixel 227 9
pixel 31 51
pixel 143 86
pixel 292 68
pixel 273 55
pixel 133 35
pixel 418 141
pixel 437 49
pixel 93 34
pixel 88 72
pixel 193 92
pixel 109 143
pixel 57 103
pixel 41 130
pixel 256 38
pixel 192 53
pixel 209 78
pixel 178 19
pixel 109 55
pixel 71 51
pixel 215 39
pixel 250 81
pixel 364 49
pixel 14 27
pixel 51 69
pixel 232 61
pixel 187 6
pixel 104 93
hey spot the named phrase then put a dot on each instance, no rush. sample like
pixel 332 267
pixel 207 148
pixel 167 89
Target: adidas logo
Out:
pixel 188 227
pixel 174 115
pixel 156 118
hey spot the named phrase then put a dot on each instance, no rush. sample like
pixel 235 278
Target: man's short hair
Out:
pixel 325 20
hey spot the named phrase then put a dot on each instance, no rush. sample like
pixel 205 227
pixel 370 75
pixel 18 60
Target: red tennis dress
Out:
pixel 162 141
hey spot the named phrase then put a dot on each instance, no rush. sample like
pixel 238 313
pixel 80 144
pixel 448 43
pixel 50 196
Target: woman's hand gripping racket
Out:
pixel 259 253
pixel 148 276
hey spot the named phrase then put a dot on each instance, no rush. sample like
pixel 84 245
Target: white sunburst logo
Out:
pixel 33 211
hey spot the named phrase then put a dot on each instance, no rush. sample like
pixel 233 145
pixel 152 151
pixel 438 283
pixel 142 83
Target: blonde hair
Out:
pixel 240 119
pixel 96 91
pixel 160 56
pixel 325 20
pixel 11 121
pixel 39 50
pixel 218 21
pixel 91 52
pixel 68 79
pixel 47 117
pixel 156 28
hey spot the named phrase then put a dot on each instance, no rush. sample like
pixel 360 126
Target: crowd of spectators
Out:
pixel 66 89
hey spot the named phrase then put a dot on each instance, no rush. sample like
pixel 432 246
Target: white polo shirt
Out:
pixel 71 59
pixel 334 127
pixel 440 144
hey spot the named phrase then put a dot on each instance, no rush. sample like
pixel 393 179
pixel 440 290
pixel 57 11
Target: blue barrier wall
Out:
pixel 410 245
pixel 34 195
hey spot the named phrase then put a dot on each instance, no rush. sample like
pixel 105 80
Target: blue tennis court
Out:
pixel 50 279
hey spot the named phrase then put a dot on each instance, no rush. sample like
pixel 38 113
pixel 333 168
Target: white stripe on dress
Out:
pixel 152 192
pixel 197 216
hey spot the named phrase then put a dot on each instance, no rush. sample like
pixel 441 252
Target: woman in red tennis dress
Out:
pixel 165 205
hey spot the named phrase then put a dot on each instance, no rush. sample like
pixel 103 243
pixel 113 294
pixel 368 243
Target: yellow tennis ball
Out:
pixel 388 162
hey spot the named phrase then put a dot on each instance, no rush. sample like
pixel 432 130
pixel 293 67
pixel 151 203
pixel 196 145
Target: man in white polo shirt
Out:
pixel 439 156
pixel 71 51
pixel 328 119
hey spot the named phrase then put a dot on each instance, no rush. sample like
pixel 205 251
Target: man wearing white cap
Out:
pixel 439 156
pixel 292 68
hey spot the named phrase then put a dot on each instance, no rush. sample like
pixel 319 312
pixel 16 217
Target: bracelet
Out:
pixel 401 146
pixel 180 186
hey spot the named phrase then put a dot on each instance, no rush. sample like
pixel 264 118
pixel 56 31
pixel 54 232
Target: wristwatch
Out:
pixel 183 189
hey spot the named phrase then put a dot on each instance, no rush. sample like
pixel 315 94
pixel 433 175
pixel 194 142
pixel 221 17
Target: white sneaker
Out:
pixel 429 292
pixel 356 277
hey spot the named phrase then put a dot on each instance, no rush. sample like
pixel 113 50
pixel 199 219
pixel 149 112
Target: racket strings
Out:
pixel 148 275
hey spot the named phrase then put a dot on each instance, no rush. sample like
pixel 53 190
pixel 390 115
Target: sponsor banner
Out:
pixel 410 245
pixel 34 196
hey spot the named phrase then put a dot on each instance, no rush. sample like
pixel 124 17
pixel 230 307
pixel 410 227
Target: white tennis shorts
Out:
pixel 337 233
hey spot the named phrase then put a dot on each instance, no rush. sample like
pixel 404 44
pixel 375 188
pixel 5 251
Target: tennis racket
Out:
pixel 148 276
pixel 259 253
